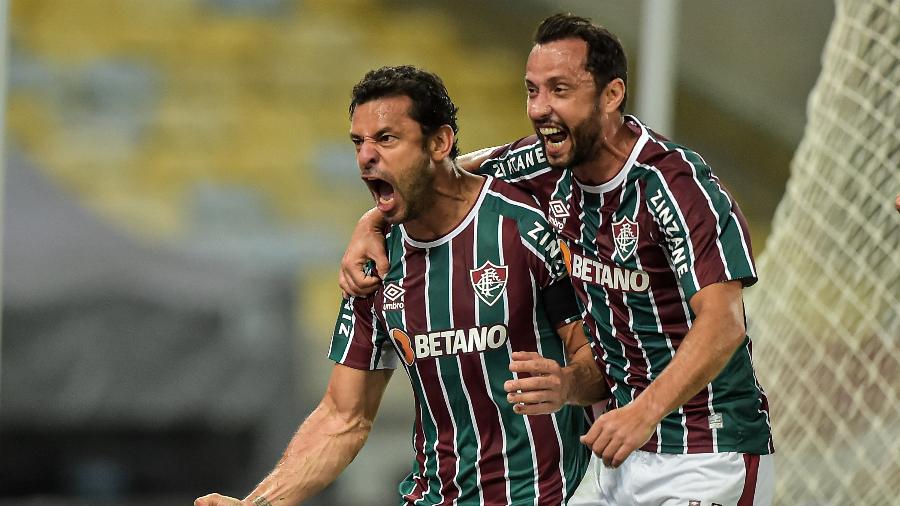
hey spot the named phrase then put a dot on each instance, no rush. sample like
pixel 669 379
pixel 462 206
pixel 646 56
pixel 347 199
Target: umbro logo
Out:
pixel 393 295
pixel 393 291
pixel 559 211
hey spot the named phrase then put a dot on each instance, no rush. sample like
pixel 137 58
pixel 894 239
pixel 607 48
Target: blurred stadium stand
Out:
pixel 180 187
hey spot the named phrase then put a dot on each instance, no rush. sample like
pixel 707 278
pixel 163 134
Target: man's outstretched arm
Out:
pixel 325 444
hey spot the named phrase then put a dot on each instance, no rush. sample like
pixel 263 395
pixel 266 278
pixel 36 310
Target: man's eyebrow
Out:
pixel 379 133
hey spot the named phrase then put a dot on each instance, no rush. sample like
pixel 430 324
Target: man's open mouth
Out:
pixel 383 192
pixel 554 137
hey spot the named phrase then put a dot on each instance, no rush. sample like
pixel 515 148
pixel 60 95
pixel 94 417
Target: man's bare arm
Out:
pixel 550 385
pixel 471 161
pixel 326 442
pixel 713 338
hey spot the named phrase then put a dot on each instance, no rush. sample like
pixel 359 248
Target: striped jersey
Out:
pixel 451 312
pixel 637 249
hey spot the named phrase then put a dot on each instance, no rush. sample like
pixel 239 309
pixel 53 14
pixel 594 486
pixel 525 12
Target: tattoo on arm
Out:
pixel 261 501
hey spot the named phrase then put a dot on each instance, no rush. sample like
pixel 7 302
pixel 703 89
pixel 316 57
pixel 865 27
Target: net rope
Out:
pixel 825 318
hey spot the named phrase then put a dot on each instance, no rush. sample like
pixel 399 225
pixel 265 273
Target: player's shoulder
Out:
pixel 662 158
pixel 508 199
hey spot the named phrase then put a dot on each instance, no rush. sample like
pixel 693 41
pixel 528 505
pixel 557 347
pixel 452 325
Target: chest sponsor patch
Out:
pixel 449 342
pixel 612 276
pixel 489 282
pixel 625 235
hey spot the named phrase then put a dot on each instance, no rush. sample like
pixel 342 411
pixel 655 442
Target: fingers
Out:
pixel 532 363
pixel 541 408
pixel 526 355
pixel 591 435
pixel 382 266
pixel 216 500
pixel 354 282
pixel 621 454
pixel 531 384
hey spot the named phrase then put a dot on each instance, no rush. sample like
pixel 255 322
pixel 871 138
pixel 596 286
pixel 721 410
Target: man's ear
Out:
pixel 613 94
pixel 441 143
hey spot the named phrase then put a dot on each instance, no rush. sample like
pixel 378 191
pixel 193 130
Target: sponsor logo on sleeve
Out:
pixel 489 282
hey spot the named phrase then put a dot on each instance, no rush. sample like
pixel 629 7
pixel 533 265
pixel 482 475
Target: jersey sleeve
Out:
pixel 522 163
pixel 546 264
pixel 699 225
pixel 359 339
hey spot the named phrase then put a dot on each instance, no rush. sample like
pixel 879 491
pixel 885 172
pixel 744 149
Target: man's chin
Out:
pixel 560 161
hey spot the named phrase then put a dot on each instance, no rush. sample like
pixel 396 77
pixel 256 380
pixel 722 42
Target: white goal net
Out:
pixel 826 315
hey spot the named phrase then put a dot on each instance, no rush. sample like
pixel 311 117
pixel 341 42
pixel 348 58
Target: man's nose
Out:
pixel 538 106
pixel 367 155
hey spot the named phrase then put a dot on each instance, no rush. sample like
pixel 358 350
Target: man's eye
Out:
pixel 387 139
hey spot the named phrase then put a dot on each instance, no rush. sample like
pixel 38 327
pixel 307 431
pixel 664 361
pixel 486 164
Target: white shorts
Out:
pixel 697 479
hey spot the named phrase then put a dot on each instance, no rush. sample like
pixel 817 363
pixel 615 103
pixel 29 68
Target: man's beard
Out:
pixel 586 141
pixel 418 188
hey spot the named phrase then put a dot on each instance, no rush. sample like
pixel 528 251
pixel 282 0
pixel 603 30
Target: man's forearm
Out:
pixel 322 447
pixel 703 353
pixel 587 385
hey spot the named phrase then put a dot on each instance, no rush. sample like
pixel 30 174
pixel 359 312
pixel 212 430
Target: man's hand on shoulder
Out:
pixel 366 243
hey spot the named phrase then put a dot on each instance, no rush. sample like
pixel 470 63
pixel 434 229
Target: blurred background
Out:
pixel 179 188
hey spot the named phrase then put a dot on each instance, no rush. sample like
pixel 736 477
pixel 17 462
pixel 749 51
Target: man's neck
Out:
pixel 454 194
pixel 615 148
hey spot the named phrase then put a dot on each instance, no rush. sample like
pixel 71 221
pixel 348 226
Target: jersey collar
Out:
pixel 459 228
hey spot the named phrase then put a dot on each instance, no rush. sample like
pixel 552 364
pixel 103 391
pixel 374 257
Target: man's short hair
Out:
pixel 431 104
pixel 606 57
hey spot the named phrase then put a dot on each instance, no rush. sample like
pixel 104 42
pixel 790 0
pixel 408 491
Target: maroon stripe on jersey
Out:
pixel 751 472
pixel 696 421
pixel 763 398
pixel 421 483
pixel 360 349
pixel 429 375
pixel 490 432
pixel 700 219
pixel 522 338
pixel 637 364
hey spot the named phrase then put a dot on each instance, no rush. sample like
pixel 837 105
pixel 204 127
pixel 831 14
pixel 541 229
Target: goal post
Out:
pixel 826 315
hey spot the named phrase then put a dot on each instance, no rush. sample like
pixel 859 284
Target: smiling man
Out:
pixel 658 253
pixel 476 295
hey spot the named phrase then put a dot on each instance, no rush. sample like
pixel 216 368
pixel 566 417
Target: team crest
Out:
pixel 558 212
pixel 625 235
pixel 489 282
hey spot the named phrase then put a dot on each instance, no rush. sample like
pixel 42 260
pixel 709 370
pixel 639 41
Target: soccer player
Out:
pixel 475 288
pixel 658 252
